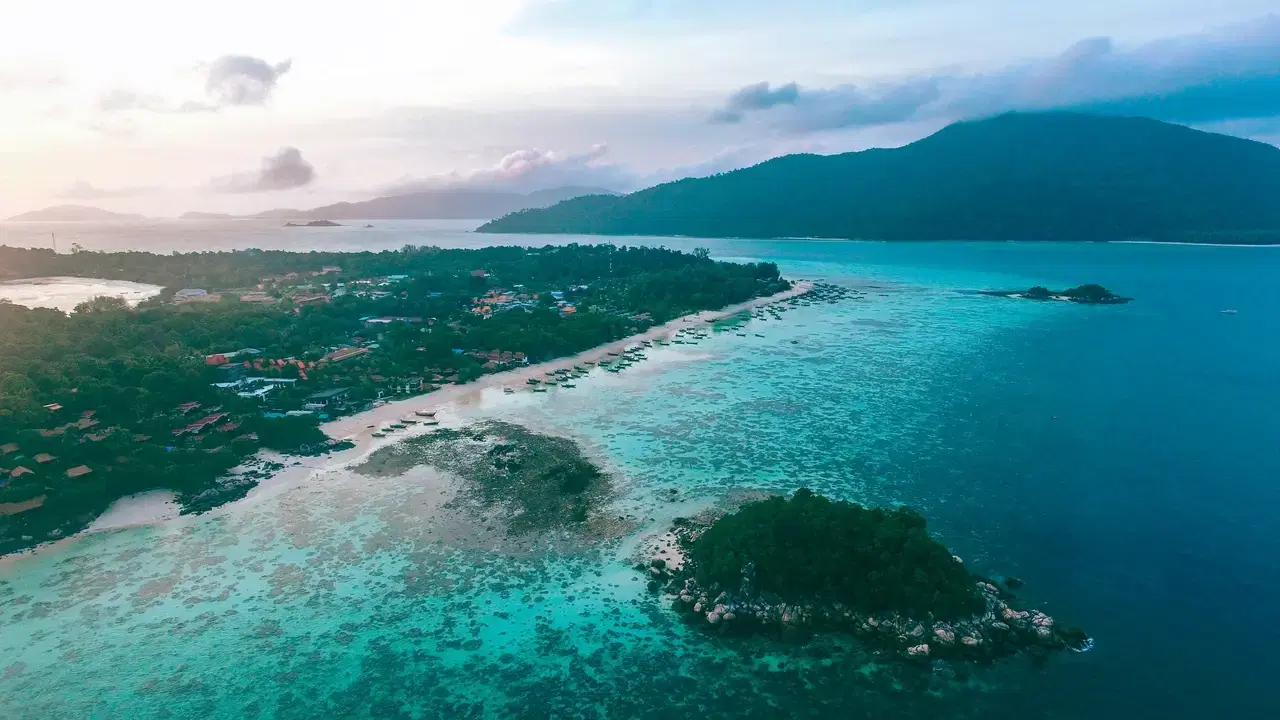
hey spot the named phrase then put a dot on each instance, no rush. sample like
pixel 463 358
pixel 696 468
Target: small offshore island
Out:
pixel 314 223
pixel 791 568
pixel 1090 294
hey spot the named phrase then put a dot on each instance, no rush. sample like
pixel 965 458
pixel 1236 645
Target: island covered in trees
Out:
pixel 1090 294
pixel 1054 176
pixel 791 567
pixel 249 350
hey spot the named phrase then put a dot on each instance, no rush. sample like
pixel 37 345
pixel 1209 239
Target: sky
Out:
pixel 156 107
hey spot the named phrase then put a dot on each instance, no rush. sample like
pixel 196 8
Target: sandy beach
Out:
pixel 158 509
pixel 359 428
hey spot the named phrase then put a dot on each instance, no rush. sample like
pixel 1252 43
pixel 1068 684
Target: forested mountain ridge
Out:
pixel 1020 176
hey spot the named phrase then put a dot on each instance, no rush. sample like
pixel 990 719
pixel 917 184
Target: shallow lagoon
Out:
pixel 64 293
pixel 1115 458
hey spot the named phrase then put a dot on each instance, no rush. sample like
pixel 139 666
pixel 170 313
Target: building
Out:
pixel 9 448
pixel 346 353
pixel 79 471
pixel 327 398
pixel 190 293
pixel 43 458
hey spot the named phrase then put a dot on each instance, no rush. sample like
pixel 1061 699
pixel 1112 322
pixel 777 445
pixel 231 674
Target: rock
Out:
pixel 944 635
pixel 917 631
pixel 971 641
pixel 1011 614
pixel 697 607
pixel 999 626
pixel 918 650
pixel 957 559
pixel 730 616
pixel 713 617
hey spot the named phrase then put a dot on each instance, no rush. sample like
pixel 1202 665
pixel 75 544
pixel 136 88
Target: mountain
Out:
pixel 73 213
pixel 443 204
pixel 205 216
pixel 1037 176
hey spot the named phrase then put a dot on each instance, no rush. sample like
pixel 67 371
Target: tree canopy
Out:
pixel 808 547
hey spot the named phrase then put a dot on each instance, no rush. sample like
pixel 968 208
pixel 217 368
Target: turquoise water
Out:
pixel 1121 460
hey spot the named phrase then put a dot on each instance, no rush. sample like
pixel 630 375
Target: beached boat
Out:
pixel 539 389
pixel 409 421
pixel 431 422
pixel 508 391
pixel 569 385
pixel 425 413
pixel 397 426
pixel 379 434
pixel 533 381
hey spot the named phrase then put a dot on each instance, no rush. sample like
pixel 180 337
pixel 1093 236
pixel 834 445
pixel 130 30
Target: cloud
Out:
pixel 759 96
pixel 529 170
pixel 243 79
pixel 285 170
pixel 1228 74
pixel 82 190
pixel 229 81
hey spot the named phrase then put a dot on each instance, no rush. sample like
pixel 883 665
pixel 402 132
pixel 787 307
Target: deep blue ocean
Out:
pixel 1124 461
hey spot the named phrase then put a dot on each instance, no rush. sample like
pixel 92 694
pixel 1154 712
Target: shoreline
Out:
pixel 358 428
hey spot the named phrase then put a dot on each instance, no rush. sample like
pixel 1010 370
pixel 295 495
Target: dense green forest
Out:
pixel 810 548
pixel 1045 176
pixel 127 393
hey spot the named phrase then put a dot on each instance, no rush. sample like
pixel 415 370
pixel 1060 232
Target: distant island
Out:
pixel 314 223
pixel 1021 176
pixel 791 567
pixel 1090 294
pixel 442 204
pixel 73 213
pixel 206 216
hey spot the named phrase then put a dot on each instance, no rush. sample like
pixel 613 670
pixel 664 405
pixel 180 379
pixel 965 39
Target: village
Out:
pixel 248 351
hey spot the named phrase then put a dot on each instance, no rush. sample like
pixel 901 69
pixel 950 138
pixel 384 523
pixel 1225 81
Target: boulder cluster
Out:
pixel 1000 631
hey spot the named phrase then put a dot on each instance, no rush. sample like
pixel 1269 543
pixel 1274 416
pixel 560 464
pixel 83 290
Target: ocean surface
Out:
pixel 1123 461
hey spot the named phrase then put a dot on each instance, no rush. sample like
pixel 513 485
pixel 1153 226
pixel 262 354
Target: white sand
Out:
pixel 158 508
pixel 358 428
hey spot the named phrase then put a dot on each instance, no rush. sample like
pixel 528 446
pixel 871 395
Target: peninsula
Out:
pixel 249 350
pixel 791 567
pixel 1021 176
